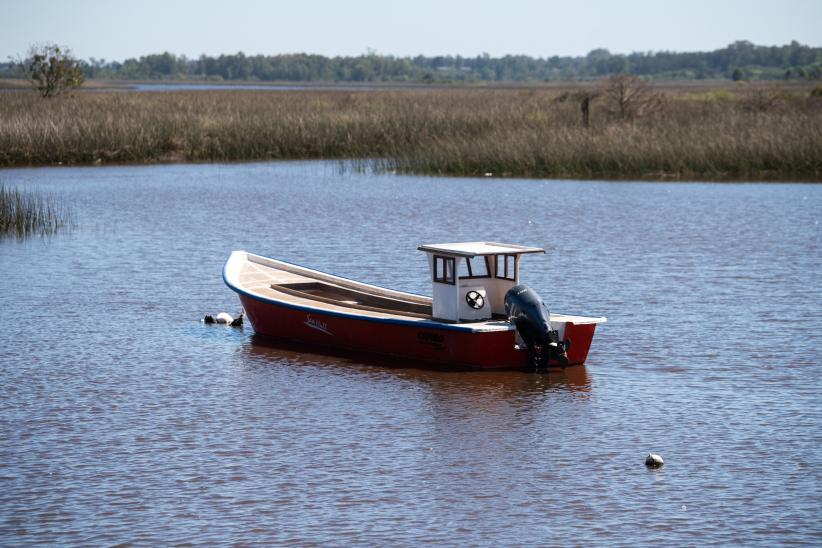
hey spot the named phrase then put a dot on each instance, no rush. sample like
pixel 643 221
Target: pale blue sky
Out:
pixel 117 29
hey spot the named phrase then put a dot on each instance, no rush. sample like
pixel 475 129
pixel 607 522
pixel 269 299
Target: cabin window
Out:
pixel 506 267
pixel 475 267
pixel 444 269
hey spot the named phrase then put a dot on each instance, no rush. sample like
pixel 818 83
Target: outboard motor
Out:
pixel 528 313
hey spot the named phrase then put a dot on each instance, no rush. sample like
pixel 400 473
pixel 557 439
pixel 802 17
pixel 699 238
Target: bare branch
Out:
pixel 630 97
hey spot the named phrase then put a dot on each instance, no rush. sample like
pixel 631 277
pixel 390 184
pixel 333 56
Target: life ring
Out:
pixel 475 299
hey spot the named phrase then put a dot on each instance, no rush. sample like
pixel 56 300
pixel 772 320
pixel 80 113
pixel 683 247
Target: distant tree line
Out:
pixel 741 60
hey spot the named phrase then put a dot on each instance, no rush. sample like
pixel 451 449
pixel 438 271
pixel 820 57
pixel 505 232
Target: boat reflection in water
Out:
pixel 265 352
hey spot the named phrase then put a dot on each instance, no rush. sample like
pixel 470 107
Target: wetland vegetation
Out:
pixel 26 213
pixel 742 131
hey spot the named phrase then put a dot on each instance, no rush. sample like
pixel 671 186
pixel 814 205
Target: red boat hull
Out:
pixel 426 342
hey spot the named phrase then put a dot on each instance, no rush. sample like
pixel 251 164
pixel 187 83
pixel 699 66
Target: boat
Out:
pixel 479 316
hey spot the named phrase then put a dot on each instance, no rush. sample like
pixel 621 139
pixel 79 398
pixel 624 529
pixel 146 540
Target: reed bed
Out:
pixel 504 132
pixel 28 213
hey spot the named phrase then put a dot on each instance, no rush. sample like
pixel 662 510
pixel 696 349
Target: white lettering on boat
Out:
pixel 316 324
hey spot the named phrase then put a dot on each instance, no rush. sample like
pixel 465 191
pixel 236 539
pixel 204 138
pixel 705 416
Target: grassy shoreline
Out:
pixel 695 133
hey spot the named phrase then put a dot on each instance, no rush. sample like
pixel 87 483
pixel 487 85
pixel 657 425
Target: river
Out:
pixel 125 419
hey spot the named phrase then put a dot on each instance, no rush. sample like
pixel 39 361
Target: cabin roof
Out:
pixel 472 249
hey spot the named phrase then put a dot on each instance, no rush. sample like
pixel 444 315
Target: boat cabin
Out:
pixel 470 279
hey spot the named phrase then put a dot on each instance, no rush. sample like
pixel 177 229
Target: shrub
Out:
pixel 53 70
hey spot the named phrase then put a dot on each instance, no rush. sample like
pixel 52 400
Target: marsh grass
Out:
pixel 28 213
pixel 507 132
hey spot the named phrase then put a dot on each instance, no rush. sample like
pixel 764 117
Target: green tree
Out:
pixel 53 70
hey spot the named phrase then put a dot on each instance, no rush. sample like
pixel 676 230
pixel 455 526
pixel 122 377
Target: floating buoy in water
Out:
pixel 653 461
pixel 225 318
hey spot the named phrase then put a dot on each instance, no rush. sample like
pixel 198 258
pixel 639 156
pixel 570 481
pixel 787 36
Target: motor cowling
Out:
pixel 526 310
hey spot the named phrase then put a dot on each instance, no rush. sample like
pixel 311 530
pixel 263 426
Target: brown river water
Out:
pixel 125 419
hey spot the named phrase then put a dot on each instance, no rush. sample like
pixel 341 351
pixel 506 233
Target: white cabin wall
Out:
pixel 445 305
pixel 497 288
pixel 445 302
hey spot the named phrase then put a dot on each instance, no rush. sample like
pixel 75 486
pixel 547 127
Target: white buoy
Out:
pixel 653 460
pixel 224 317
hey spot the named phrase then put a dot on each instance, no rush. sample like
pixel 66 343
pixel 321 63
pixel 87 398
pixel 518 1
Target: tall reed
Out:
pixel 507 132
pixel 27 213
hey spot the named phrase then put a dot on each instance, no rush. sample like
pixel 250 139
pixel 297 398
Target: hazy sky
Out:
pixel 117 29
